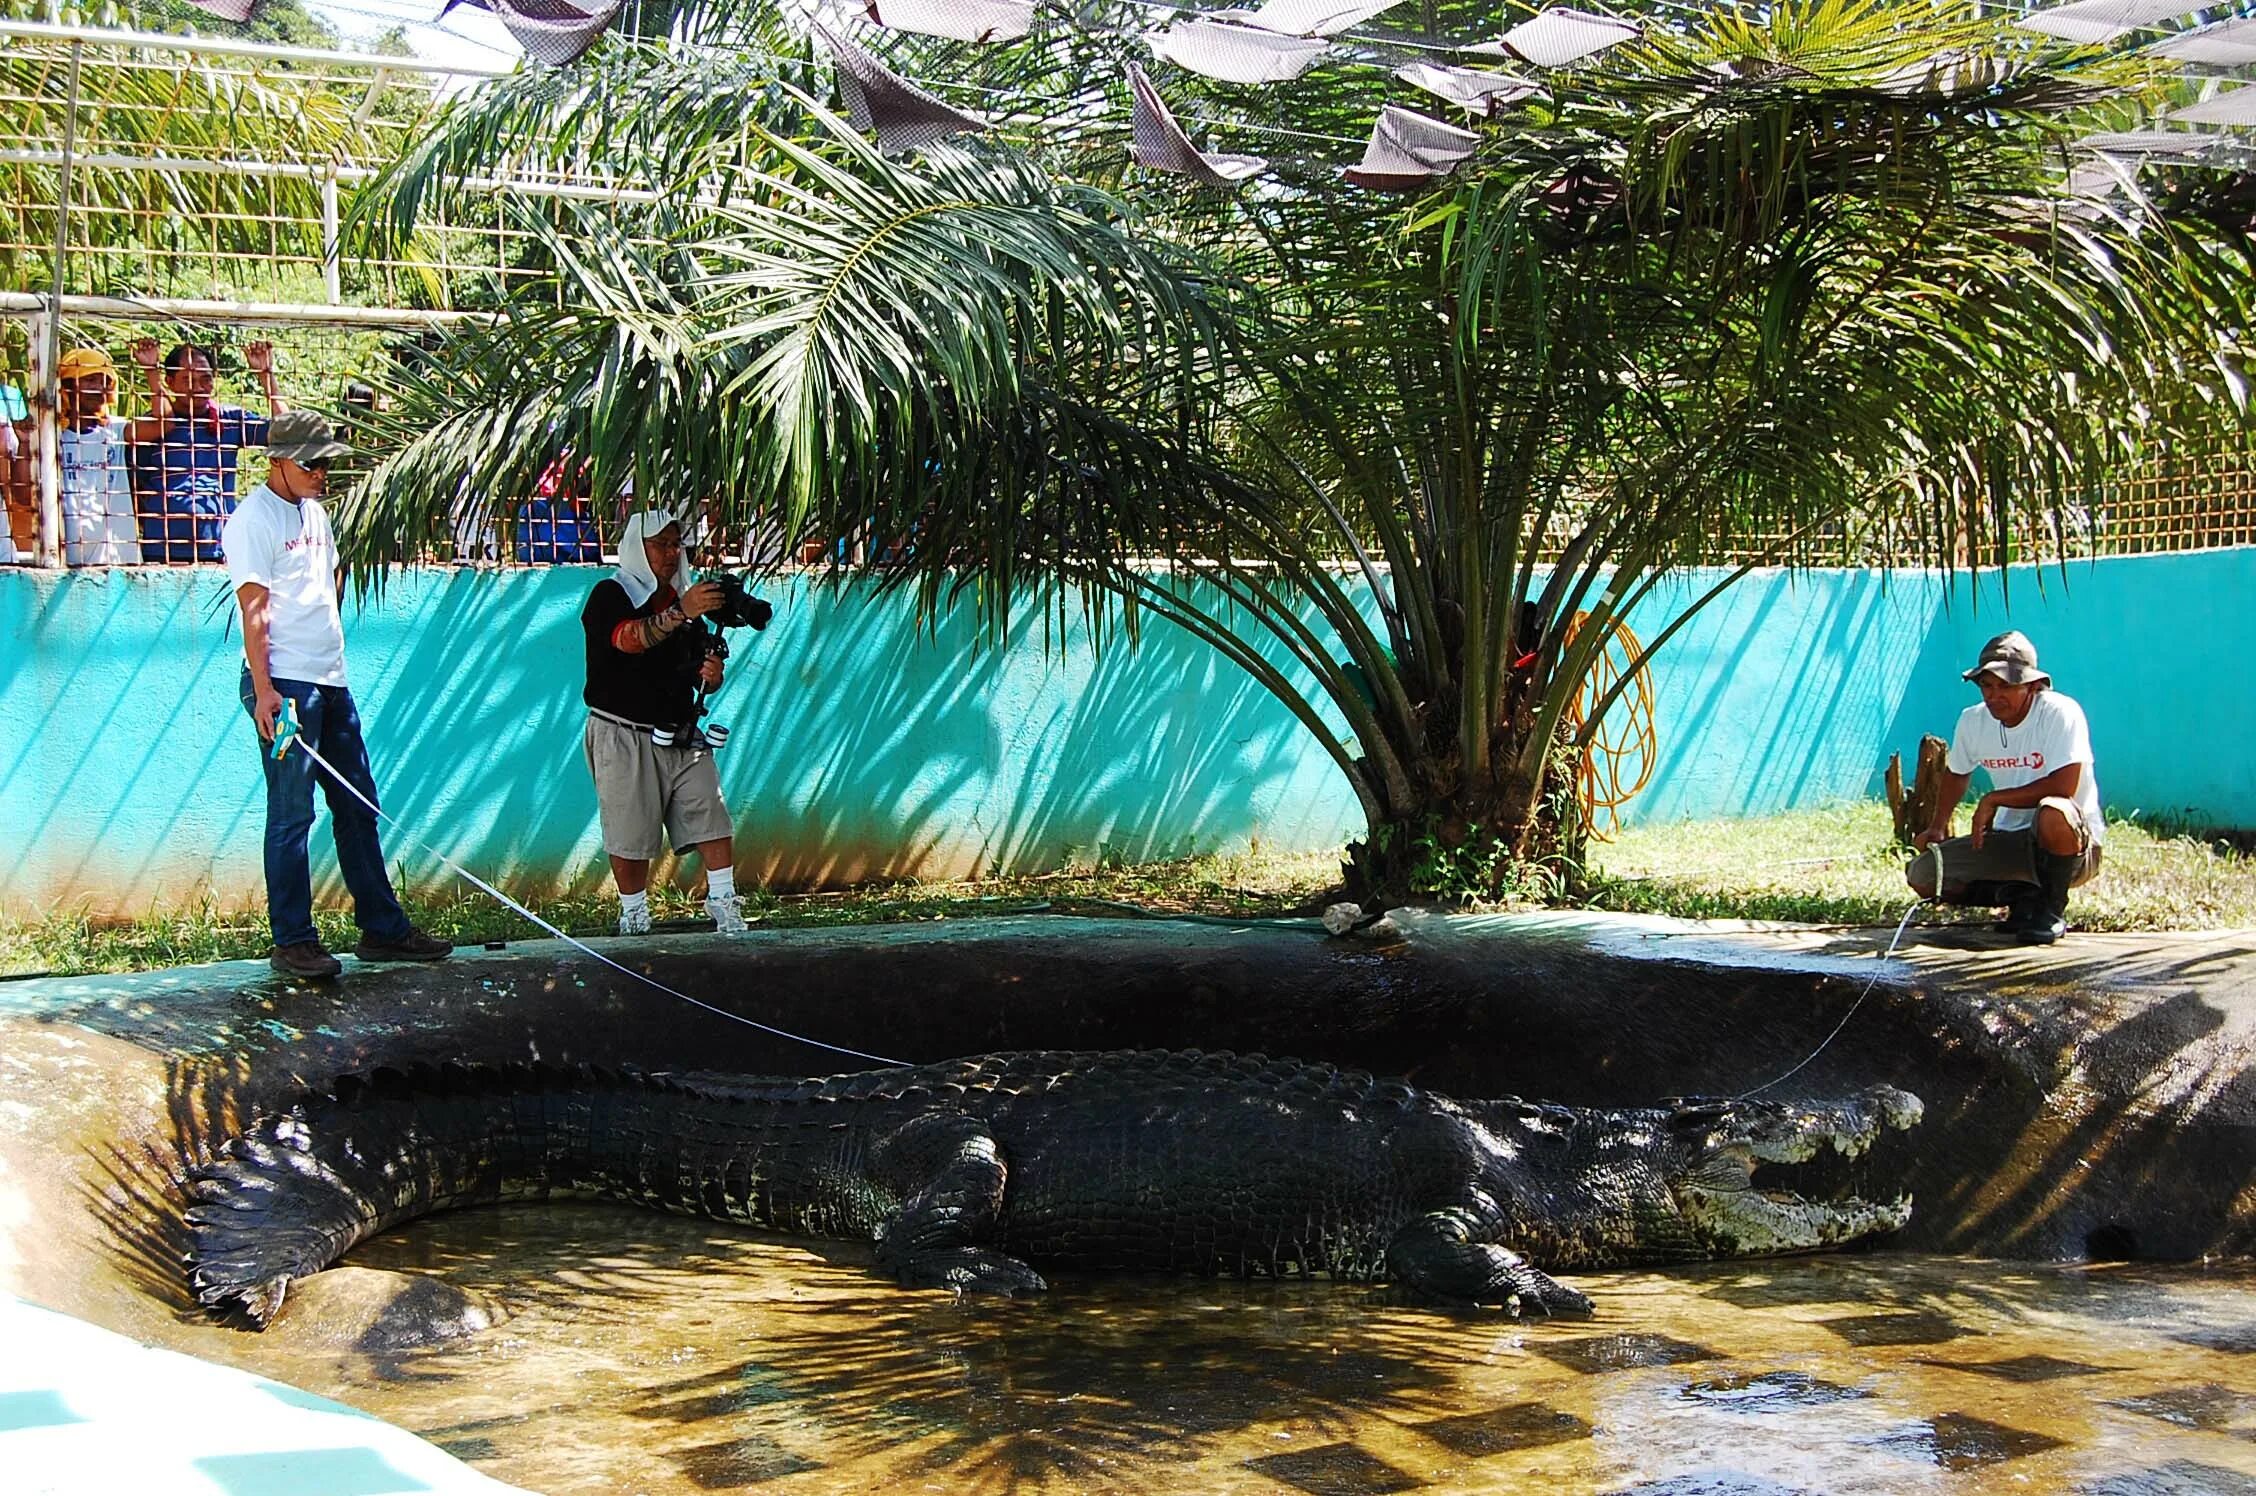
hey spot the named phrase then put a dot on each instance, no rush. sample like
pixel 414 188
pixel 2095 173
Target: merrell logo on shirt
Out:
pixel 2032 760
pixel 300 543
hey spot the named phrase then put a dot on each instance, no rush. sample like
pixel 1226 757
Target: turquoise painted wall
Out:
pixel 865 746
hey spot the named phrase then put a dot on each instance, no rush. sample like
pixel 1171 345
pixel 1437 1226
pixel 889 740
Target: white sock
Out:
pixel 720 883
pixel 635 903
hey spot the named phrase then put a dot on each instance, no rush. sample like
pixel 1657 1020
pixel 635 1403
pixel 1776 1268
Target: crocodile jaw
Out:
pixel 1733 1215
pixel 1766 1223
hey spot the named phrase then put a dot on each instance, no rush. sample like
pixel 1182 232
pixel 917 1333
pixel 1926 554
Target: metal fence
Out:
pixel 96 478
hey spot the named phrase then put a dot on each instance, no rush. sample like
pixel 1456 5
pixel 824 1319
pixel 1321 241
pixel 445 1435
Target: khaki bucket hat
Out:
pixel 2011 658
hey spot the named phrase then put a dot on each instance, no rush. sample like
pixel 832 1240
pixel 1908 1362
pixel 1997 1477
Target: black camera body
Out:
pixel 739 609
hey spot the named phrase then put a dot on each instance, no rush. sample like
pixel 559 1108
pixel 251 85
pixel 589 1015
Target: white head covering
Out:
pixel 634 562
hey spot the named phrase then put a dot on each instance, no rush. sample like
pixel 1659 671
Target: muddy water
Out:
pixel 653 1355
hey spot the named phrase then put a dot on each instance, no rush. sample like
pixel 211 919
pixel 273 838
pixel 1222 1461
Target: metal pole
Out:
pixel 331 279
pixel 47 388
pixel 46 441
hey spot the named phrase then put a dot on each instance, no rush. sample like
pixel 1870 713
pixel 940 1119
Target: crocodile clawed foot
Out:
pixel 969 1270
pixel 1535 1293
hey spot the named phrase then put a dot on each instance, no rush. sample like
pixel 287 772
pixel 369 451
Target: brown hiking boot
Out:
pixel 413 946
pixel 305 958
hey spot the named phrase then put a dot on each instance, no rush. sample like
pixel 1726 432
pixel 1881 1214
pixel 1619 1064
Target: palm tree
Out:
pixel 1767 279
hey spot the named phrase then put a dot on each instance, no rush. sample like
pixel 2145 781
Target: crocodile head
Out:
pixel 1756 1178
pixel 1699 1178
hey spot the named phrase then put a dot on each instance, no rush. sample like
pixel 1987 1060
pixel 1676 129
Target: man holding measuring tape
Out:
pixel 2037 833
pixel 282 560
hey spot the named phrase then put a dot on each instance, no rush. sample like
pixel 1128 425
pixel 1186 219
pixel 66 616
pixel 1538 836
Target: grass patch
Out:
pixel 1827 867
pixel 1838 866
pixel 1248 885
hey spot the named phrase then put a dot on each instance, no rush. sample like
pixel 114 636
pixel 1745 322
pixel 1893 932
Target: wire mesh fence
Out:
pixel 161 408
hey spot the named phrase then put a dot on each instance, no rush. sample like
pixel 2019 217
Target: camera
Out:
pixel 739 609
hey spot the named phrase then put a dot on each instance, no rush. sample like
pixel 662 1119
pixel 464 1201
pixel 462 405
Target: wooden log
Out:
pixel 1915 808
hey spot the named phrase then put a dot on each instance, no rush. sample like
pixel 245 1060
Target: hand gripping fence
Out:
pixel 286 733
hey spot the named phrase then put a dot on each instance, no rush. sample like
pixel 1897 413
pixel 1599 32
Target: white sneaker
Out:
pixel 635 921
pixel 728 915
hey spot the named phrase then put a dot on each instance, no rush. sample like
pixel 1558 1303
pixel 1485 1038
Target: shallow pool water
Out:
pixel 648 1354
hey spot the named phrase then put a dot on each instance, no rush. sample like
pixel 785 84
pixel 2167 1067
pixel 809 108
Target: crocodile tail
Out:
pixel 294 1192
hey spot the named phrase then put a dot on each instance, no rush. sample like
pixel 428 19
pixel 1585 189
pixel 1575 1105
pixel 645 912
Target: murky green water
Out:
pixel 653 1355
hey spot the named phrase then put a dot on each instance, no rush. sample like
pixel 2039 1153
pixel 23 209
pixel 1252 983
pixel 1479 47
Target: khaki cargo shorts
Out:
pixel 642 789
pixel 2004 857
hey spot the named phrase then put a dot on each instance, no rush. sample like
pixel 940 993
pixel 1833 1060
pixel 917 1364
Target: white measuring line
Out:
pixel 1934 848
pixel 292 735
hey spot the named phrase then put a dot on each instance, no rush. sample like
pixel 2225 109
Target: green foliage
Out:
pixel 1836 866
pixel 1763 276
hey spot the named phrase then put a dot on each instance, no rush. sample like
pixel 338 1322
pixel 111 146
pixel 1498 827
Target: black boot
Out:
pixel 2043 920
pixel 1985 893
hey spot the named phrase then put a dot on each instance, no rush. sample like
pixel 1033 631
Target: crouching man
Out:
pixel 644 667
pixel 2037 833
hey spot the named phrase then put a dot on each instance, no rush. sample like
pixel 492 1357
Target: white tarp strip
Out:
pixel 2152 143
pixel 1558 36
pixel 1468 88
pixel 902 115
pixel 1159 143
pixel 958 20
pixel 2228 44
pixel 2096 21
pixel 552 31
pixel 1407 150
pixel 2236 107
pixel 1316 17
pixel 1233 53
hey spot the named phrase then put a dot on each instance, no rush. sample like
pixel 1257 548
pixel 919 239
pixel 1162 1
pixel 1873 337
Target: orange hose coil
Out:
pixel 1625 740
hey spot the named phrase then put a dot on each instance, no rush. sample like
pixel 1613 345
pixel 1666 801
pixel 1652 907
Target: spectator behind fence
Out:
pixel 19 492
pixel 282 561
pixel 554 527
pixel 184 454
pixel 96 489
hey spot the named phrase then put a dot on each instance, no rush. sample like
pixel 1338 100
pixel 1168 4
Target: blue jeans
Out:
pixel 328 720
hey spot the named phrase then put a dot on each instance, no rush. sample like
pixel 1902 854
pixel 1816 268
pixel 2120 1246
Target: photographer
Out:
pixel 646 659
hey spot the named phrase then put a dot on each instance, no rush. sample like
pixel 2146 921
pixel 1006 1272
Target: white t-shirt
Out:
pixel 2054 733
pixel 288 549
pixel 98 526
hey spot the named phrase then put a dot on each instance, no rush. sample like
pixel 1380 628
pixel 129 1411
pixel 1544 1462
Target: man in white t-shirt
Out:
pixel 282 559
pixel 2037 833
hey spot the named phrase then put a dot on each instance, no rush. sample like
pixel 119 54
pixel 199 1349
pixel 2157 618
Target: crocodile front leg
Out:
pixel 952 1175
pixel 1440 1254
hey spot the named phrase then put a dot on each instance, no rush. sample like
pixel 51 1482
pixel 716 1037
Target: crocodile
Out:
pixel 975 1174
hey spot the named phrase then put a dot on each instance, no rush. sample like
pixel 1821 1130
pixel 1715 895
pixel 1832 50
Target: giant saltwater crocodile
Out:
pixel 971 1173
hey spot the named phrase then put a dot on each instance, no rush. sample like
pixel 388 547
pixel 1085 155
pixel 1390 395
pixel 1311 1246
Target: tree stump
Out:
pixel 1915 808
